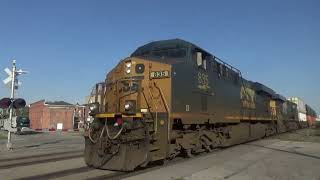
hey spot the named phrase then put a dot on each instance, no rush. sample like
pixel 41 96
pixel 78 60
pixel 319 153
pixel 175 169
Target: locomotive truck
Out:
pixel 172 98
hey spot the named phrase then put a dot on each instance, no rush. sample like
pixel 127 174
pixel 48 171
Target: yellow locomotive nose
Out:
pixel 122 93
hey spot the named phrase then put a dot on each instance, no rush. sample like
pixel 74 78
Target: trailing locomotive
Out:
pixel 311 115
pixel 306 114
pixel 173 98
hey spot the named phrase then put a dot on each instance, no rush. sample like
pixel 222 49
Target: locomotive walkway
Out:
pixel 59 156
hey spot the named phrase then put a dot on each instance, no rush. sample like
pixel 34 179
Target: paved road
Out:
pixel 59 156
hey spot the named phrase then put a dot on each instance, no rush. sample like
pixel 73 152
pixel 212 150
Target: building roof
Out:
pixel 58 103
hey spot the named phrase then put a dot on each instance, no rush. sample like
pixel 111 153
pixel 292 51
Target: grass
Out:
pixel 3 135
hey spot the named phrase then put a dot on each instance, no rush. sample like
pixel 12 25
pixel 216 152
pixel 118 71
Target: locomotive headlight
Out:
pixel 130 106
pixel 128 64
pixel 127 107
pixel 128 71
pixel 94 108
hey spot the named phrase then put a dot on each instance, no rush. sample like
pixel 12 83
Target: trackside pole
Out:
pixel 9 144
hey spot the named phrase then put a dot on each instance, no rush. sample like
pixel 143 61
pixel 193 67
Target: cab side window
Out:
pixel 225 71
pixel 214 66
pixel 219 69
pixel 201 60
pixel 236 78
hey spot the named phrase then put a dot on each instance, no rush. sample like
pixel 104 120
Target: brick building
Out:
pixel 58 115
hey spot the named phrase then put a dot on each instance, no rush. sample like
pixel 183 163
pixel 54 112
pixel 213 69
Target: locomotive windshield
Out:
pixel 162 54
pixel 169 53
pixel 131 86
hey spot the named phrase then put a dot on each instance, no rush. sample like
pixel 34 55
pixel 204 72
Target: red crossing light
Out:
pixel 5 103
pixel 19 103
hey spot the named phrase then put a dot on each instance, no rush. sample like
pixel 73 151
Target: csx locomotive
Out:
pixel 173 98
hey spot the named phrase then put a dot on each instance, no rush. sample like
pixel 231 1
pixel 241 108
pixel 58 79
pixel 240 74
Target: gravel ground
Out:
pixel 303 135
pixel 289 156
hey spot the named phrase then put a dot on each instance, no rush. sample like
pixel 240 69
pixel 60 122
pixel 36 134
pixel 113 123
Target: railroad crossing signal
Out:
pixel 11 102
pixel 8 80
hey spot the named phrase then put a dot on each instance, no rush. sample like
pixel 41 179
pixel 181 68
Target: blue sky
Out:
pixel 69 45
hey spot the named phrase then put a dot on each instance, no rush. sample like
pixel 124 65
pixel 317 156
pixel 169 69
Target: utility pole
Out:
pixel 9 144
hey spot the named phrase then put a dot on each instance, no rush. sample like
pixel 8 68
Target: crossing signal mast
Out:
pixel 11 102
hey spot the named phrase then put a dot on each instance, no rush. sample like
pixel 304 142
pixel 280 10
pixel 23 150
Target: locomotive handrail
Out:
pixel 156 107
pixel 167 109
pixel 108 133
pixel 124 79
pixel 226 64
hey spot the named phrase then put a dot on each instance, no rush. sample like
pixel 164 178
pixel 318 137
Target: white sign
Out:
pixel 12 127
pixel 9 78
pixel 59 126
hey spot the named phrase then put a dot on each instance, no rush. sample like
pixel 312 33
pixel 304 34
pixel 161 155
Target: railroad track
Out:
pixel 70 165
pixel 65 165
pixel 152 167
pixel 36 159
